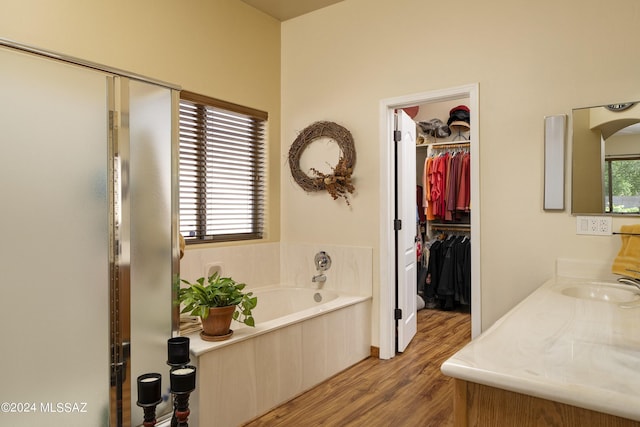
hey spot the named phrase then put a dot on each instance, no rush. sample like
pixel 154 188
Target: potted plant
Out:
pixel 217 302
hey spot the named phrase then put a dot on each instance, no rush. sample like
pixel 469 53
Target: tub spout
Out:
pixel 320 279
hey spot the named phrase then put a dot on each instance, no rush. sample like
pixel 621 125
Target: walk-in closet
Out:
pixel 443 205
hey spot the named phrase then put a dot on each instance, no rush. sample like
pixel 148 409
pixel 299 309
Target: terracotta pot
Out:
pixel 218 323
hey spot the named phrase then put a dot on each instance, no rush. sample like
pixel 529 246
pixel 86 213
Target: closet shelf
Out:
pixel 450 227
pixel 463 143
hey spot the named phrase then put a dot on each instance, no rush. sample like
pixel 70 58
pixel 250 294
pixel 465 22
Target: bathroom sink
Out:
pixel 601 292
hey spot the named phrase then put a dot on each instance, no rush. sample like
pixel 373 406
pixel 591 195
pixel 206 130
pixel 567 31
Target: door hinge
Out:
pixel 397 135
pixel 397 224
pixel 397 314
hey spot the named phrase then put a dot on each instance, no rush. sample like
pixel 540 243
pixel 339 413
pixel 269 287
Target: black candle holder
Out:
pixel 183 382
pixel 178 351
pixel 183 379
pixel 181 385
pixel 182 409
pixel 149 396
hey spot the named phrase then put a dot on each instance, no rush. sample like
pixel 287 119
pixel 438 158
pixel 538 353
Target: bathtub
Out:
pixel 288 304
pixel 302 337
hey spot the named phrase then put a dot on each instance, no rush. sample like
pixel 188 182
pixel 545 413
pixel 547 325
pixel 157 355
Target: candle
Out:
pixel 178 351
pixel 149 389
pixel 183 380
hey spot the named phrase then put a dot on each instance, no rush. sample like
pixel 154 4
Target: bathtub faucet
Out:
pixel 319 278
pixel 323 262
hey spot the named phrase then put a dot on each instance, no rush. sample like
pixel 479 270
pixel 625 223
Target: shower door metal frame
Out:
pixel 119 242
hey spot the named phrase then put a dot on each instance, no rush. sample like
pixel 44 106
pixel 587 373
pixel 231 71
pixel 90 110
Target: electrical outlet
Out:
pixel 604 225
pixel 212 268
pixel 593 225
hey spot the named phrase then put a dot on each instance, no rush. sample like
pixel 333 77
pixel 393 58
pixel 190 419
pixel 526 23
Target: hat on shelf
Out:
pixel 459 118
pixel 435 127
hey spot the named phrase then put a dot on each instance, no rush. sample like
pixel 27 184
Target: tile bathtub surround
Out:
pixel 351 269
pixel 256 265
pixel 286 264
pixel 574 350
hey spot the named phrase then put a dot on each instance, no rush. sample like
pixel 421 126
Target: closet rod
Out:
pixel 446 146
pixel 451 227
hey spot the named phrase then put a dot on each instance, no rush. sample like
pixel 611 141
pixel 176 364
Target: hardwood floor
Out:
pixel 408 390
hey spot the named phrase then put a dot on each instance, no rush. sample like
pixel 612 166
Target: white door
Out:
pixel 406 262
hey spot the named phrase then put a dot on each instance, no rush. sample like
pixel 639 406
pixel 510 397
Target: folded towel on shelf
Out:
pixel 627 262
pixel 189 324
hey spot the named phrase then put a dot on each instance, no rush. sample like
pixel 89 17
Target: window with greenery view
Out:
pixel 221 170
pixel 622 185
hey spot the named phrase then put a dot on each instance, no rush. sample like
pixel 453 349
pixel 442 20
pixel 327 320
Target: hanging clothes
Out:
pixel 463 201
pixel 452 189
pixel 449 272
pixel 462 281
pixel 433 270
pixel 438 185
pixel 427 205
pixel 419 203
pixel 447 183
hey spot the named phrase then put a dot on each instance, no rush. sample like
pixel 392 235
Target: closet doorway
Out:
pixel 389 192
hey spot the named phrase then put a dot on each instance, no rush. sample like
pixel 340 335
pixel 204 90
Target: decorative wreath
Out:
pixel 338 183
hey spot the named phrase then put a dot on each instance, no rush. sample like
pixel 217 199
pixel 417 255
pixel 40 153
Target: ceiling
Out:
pixel 287 9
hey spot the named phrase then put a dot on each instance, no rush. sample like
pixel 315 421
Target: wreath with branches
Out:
pixel 338 183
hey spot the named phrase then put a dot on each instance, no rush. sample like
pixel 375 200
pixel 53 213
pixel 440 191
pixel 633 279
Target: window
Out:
pixel 221 170
pixel 622 185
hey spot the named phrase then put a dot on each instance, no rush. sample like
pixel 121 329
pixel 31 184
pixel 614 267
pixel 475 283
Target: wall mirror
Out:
pixel 606 160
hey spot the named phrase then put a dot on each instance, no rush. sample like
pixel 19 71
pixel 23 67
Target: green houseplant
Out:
pixel 217 301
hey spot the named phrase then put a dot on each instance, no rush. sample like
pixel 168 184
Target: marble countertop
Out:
pixel 574 341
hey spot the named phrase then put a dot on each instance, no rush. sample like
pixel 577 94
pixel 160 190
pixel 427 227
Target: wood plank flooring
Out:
pixel 408 390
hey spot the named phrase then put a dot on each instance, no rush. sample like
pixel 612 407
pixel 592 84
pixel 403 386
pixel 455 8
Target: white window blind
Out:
pixel 221 170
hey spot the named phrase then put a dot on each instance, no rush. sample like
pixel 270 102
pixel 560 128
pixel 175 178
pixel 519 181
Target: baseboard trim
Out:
pixel 375 352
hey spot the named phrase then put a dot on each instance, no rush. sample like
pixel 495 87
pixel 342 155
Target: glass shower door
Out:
pixel 55 243
pixel 152 249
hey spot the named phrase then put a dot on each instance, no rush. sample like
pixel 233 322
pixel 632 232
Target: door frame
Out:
pixel 387 262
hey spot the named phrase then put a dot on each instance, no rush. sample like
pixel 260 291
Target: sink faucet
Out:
pixel 630 281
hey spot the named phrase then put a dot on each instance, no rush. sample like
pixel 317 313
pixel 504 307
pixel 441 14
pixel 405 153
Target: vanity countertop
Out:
pixel 573 341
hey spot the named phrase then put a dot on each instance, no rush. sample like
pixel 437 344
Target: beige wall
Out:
pixel 220 48
pixel 531 59
pixel 339 62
